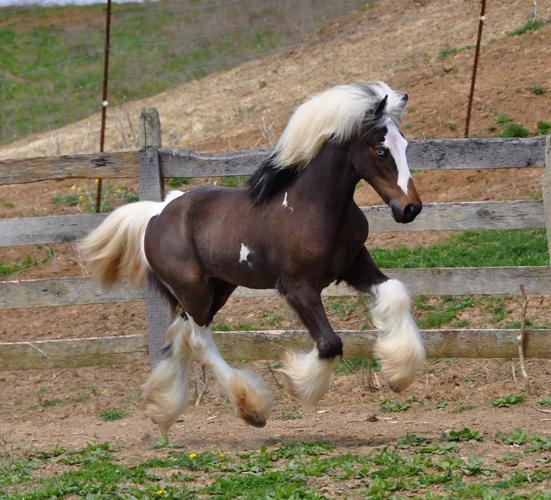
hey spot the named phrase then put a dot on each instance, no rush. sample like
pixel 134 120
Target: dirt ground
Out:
pixel 39 409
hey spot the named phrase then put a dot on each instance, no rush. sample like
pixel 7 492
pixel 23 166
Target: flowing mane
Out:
pixel 338 114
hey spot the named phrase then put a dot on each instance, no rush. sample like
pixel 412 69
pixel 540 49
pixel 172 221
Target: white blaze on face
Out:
pixel 397 146
pixel 244 253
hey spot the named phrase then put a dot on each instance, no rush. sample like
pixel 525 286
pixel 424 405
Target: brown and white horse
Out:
pixel 295 228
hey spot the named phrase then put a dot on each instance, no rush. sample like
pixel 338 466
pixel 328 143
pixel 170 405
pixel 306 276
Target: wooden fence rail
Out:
pixel 152 164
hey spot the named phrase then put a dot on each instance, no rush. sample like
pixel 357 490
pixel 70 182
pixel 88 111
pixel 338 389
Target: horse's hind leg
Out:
pixel 166 390
pixel 251 400
pixel 308 374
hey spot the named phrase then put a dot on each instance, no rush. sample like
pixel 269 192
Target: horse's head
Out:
pixel 379 156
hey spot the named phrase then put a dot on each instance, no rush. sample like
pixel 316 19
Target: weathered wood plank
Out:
pixel 190 163
pixel 427 154
pixel 439 154
pixel 440 281
pixel 87 166
pixel 546 190
pixel 47 230
pixel 237 346
pixel 74 353
pixel 431 154
pixel 63 292
pixel 474 280
pixel 524 214
pixel 157 311
pixel 448 281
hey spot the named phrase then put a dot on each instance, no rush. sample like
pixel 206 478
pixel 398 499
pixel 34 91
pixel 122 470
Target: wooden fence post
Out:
pixel 152 189
pixel 546 190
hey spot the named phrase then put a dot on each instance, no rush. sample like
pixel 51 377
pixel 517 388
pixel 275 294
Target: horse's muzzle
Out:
pixel 406 215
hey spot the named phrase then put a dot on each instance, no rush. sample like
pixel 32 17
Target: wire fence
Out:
pixel 227 74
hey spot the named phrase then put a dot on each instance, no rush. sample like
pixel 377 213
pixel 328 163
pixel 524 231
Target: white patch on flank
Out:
pixel 285 204
pixel 244 253
pixel 397 146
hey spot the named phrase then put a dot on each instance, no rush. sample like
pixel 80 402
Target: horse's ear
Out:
pixel 405 99
pixel 381 106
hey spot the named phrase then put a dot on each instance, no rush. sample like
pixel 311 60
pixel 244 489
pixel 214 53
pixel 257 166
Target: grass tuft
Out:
pixel 111 415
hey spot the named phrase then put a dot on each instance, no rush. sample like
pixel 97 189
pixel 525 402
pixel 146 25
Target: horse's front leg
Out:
pixel 399 345
pixel 308 374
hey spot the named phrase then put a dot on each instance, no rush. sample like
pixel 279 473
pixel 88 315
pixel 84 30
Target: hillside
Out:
pixel 422 47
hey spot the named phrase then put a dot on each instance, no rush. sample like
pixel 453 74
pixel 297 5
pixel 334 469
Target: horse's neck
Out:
pixel 329 180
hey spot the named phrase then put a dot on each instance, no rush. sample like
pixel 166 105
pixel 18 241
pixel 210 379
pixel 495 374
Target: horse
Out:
pixel 295 227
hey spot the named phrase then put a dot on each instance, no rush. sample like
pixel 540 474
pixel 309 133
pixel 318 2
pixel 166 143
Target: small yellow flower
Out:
pixel 220 454
pixel 193 455
pixel 73 187
pixel 84 187
pixel 81 197
pixel 160 492
pixel 96 181
pixel 212 452
pixel 119 190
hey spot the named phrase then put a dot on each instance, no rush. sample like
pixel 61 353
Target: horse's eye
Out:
pixel 380 152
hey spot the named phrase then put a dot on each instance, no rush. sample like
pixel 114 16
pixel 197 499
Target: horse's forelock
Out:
pixel 336 114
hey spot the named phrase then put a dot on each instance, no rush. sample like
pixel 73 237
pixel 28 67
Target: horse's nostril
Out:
pixel 410 212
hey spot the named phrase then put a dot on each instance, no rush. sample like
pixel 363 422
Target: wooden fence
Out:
pixel 152 164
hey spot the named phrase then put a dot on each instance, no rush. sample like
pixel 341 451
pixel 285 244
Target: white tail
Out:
pixel 115 248
pixel 399 344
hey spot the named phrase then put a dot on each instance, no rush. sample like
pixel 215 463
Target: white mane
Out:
pixel 337 114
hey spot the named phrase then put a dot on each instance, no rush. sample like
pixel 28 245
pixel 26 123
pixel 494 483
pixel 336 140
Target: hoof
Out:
pixel 394 388
pixel 254 420
pixel 307 376
pixel 251 400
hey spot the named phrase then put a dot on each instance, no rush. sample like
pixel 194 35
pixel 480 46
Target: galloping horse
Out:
pixel 296 228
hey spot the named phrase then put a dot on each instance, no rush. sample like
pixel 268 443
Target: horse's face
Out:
pixel 379 157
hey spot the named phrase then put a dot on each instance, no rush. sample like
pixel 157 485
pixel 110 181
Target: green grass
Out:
pixel 84 197
pixel 503 119
pixel 450 52
pixel 410 467
pixel 529 26
pixel 52 56
pixel 28 262
pixel 389 406
pixel 507 401
pixel 523 247
pixel 543 128
pixel 110 415
pixel 514 130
